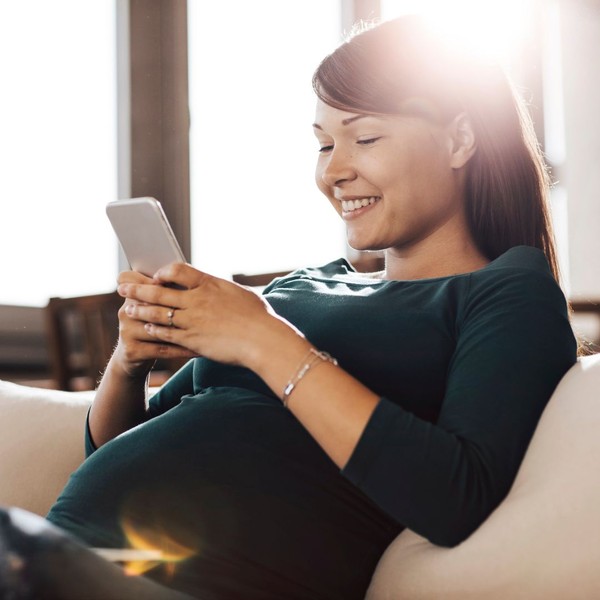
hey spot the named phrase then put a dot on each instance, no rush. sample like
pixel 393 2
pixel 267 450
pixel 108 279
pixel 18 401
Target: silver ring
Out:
pixel 170 315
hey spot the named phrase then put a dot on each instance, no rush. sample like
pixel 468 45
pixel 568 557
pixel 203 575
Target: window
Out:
pixel 255 205
pixel 57 148
pixel 509 31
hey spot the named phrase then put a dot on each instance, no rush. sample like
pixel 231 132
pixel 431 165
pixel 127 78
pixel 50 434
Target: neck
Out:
pixel 433 259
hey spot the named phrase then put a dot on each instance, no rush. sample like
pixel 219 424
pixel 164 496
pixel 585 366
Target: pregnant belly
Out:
pixel 226 480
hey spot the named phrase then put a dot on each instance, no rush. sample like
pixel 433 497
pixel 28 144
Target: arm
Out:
pixel 228 323
pixel 119 403
pixel 440 479
pixel 120 400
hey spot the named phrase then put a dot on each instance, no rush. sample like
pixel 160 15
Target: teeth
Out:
pixel 350 205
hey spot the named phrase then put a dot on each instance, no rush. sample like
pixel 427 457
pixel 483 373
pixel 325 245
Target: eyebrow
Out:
pixel 345 121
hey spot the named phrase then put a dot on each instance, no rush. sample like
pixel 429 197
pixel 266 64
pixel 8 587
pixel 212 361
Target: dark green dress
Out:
pixel 464 366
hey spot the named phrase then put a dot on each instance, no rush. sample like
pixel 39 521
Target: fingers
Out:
pixel 159 349
pixel 180 274
pixel 148 292
pixel 160 315
pixel 135 355
pixel 168 335
pixel 137 345
pixel 137 350
pixel 151 294
pixel 133 277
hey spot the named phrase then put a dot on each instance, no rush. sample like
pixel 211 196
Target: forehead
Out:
pixel 333 121
pixel 327 116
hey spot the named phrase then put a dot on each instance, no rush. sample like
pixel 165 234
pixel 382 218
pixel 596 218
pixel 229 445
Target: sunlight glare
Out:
pixel 492 30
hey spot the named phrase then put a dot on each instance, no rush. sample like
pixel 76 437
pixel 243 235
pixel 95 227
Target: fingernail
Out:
pixel 129 309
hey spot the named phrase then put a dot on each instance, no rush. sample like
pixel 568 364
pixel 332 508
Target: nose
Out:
pixel 337 169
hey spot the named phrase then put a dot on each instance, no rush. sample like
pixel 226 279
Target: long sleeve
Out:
pixel 514 343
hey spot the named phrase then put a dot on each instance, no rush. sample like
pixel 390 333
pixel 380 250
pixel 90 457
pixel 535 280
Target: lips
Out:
pixel 356 203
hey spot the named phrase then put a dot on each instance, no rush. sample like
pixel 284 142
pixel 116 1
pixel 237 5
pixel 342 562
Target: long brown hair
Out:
pixel 402 66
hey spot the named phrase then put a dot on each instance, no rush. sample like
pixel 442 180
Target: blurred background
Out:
pixel 207 106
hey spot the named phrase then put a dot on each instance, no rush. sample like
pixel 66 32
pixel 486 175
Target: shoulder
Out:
pixel 520 282
pixel 517 306
pixel 519 259
pixel 522 268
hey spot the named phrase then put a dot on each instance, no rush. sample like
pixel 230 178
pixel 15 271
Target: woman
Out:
pixel 315 422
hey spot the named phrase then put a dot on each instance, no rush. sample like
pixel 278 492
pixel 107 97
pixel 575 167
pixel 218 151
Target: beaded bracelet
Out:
pixel 310 360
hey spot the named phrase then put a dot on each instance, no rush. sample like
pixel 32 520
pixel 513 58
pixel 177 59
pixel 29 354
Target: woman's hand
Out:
pixel 211 317
pixel 137 350
pixel 228 323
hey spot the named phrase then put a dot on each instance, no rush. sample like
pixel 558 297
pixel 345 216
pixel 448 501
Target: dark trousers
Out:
pixel 40 562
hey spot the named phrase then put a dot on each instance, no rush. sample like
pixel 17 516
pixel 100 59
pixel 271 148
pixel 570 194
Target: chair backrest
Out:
pixel 82 332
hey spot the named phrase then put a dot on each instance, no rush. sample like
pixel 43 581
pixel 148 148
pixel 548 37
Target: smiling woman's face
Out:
pixel 394 180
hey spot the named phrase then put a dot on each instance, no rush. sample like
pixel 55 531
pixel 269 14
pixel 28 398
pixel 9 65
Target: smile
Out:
pixel 352 205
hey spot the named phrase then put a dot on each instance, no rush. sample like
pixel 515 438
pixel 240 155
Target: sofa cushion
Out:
pixel 543 541
pixel 41 443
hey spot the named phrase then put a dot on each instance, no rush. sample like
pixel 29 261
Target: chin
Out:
pixel 364 246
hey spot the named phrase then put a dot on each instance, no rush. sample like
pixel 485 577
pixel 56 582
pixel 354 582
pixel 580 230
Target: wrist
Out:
pixel 280 343
pixel 277 359
pixel 312 359
pixel 129 371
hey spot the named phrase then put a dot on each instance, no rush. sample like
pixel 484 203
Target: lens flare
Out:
pixel 169 551
pixel 156 526
pixel 491 29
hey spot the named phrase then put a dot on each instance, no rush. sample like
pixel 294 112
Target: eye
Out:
pixel 324 149
pixel 369 141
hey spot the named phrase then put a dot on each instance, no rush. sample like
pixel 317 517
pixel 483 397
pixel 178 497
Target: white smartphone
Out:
pixel 144 233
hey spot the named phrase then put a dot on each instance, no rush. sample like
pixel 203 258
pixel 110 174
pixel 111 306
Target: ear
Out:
pixel 463 142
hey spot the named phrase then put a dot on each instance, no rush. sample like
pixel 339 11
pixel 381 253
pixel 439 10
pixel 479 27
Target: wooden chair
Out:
pixel 82 332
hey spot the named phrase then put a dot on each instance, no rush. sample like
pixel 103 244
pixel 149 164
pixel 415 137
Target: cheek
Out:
pixel 319 180
pixel 318 172
pixel 326 191
pixel 429 172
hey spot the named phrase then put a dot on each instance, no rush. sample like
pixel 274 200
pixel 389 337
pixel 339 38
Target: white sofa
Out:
pixel 542 542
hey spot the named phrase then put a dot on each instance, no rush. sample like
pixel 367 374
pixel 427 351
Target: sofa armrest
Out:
pixel 41 443
pixel 543 541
